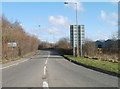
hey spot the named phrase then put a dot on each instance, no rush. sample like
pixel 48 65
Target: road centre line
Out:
pixel 45 85
pixel 47 59
pixel 45 69
pixel 48 56
pixel 46 62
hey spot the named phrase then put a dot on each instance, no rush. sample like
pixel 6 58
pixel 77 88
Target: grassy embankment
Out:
pixel 17 58
pixel 104 65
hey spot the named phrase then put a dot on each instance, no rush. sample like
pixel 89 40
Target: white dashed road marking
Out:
pixel 45 69
pixel 45 85
pixel 46 62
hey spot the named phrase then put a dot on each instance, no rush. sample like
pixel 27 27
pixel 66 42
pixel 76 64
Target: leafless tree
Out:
pixel 89 48
pixel 13 32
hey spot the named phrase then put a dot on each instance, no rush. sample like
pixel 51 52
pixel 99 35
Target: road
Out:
pixel 47 68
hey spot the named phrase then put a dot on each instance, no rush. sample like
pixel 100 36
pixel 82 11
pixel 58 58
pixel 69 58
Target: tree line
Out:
pixel 14 32
pixel 90 50
pixel 26 43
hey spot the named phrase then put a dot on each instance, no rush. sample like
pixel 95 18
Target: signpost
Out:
pixel 12 44
pixel 77 38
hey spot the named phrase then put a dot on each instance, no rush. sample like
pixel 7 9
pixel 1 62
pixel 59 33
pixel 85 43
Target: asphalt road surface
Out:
pixel 49 69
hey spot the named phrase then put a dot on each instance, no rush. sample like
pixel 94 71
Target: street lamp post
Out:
pixel 78 52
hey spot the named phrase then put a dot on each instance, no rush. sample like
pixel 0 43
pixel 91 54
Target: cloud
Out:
pixel 59 21
pixel 53 30
pixel 111 18
pixel 101 34
pixel 71 3
pixel 103 15
pixel 46 31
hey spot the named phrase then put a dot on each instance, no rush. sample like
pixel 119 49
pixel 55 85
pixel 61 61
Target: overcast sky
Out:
pixel 54 18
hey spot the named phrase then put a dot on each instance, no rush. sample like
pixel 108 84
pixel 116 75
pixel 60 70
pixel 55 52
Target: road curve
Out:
pixel 48 68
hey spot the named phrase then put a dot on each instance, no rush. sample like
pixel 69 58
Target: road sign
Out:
pixel 12 44
pixel 76 35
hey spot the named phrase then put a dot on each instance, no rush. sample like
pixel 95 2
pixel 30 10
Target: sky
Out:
pixel 50 21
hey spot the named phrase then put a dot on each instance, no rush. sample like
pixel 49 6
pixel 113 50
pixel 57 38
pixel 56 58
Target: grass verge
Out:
pixel 17 58
pixel 104 65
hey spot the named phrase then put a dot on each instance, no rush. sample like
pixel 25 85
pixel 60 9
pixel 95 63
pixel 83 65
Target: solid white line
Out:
pixel 9 66
pixel 14 64
pixel 45 85
pixel 45 70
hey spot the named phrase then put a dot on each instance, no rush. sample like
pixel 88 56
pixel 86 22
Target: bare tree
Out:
pixel 63 43
pixel 89 48
pixel 13 32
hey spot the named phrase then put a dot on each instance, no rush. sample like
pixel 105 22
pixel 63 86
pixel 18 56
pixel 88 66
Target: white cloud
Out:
pixel 111 18
pixel 53 30
pixel 71 3
pixel 59 21
pixel 103 15
pixel 101 34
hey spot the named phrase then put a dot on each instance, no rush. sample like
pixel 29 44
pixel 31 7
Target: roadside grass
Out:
pixel 9 60
pixel 17 58
pixel 104 65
